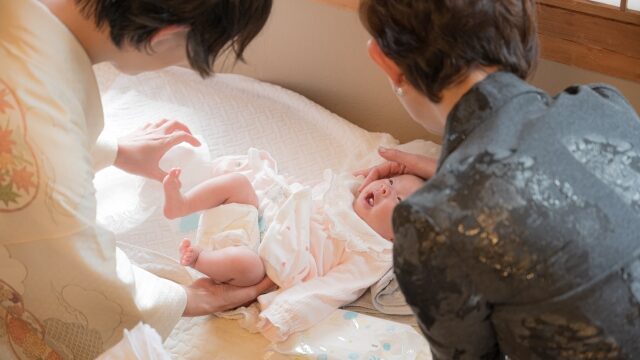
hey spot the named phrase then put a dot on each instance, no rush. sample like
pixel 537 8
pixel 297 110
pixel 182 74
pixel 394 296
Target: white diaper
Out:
pixel 229 225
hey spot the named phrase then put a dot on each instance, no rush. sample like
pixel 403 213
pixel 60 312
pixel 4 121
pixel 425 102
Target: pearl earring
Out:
pixel 399 91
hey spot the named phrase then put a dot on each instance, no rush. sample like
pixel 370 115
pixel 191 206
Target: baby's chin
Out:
pixel 389 237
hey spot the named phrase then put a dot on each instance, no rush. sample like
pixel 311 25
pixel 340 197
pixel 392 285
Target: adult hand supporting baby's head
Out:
pixel 398 163
pixel 139 152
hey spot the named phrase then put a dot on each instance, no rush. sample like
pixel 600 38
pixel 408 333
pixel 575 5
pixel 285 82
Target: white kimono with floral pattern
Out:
pixel 66 291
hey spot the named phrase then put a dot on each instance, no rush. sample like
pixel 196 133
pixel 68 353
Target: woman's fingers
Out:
pixel 159 123
pixel 168 126
pixel 180 137
pixel 264 286
pixel 426 167
pixel 398 162
pixel 204 296
pixel 381 171
pixel 363 172
pixel 397 156
pixel 175 125
pixel 373 175
pixel 419 165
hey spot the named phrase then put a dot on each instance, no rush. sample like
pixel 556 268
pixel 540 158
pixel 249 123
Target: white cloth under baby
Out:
pixel 315 247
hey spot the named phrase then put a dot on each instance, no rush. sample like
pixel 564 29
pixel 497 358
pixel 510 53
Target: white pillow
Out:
pixel 231 113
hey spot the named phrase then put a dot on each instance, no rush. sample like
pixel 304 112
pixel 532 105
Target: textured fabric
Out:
pixel 525 242
pixel 60 274
pixel 387 297
pixel 141 343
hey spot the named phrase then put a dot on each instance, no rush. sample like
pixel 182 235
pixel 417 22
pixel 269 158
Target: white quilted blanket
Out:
pixel 233 113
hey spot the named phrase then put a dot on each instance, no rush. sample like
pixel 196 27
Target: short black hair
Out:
pixel 214 25
pixel 436 42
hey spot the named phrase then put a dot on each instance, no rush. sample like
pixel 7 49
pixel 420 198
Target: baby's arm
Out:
pixel 223 189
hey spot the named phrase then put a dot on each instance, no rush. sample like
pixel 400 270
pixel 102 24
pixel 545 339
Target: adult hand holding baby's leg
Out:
pixel 204 296
pixel 139 152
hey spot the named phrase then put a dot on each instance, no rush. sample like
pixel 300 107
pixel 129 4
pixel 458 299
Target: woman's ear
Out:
pixel 385 63
pixel 168 36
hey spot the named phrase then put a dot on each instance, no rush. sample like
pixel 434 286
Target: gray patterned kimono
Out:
pixel 526 242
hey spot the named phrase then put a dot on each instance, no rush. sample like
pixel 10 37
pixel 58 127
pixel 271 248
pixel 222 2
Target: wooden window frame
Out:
pixel 591 36
pixel 582 33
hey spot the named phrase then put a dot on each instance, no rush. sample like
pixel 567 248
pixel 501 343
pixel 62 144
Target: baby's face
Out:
pixel 376 202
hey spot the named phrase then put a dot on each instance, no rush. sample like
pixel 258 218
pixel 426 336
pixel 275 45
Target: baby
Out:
pixel 323 246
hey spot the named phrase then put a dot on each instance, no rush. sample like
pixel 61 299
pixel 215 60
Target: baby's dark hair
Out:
pixel 436 42
pixel 214 25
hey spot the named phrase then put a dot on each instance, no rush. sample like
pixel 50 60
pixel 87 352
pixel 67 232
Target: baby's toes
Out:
pixel 187 257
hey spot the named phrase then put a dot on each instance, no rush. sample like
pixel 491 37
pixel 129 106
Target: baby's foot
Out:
pixel 173 200
pixel 188 254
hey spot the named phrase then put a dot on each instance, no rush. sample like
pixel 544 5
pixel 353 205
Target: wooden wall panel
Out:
pixel 591 8
pixel 591 30
pixel 590 58
pixel 604 43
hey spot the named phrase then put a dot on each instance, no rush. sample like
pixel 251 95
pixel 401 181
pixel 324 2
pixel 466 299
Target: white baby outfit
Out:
pixel 314 246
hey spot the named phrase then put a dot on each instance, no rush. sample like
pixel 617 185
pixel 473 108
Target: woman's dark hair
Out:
pixel 436 42
pixel 214 25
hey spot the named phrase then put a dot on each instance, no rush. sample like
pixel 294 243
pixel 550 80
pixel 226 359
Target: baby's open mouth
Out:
pixel 370 199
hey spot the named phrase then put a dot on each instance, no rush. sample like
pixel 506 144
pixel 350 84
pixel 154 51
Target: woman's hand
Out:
pixel 398 163
pixel 140 152
pixel 205 296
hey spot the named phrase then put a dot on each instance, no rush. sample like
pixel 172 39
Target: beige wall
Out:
pixel 320 51
pixel 554 77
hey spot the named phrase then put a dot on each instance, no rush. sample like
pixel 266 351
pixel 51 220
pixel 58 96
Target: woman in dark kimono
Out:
pixel 525 242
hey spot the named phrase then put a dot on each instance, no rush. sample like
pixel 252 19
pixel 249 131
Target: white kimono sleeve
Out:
pixel 307 303
pixel 104 152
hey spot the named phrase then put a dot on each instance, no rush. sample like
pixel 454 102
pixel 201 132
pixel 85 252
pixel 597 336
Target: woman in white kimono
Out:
pixel 66 291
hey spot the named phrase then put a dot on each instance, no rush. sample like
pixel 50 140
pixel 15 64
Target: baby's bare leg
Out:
pixel 237 265
pixel 223 189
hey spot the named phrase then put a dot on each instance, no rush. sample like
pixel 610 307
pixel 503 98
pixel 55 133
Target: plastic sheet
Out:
pixel 354 336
